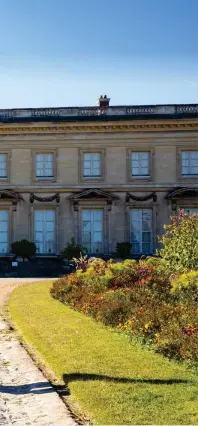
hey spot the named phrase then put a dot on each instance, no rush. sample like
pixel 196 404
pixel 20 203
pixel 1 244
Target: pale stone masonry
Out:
pixel 103 174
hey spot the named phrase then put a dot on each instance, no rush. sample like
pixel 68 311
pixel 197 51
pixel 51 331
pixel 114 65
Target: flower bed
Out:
pixel 138 298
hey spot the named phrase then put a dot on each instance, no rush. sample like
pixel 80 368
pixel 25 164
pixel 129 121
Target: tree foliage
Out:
pixel 179 250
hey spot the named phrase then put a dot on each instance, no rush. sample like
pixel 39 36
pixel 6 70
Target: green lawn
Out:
pixel 114 381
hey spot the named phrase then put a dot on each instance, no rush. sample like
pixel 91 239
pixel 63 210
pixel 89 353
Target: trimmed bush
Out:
pixel 73 250
pixel 123 249
pixel 23 248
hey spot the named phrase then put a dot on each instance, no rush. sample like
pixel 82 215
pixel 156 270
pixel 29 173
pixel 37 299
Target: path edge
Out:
pixel 73 407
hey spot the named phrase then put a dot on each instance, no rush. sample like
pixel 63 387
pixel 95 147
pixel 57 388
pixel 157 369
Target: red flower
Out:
pixel 116 283
pixel 189 332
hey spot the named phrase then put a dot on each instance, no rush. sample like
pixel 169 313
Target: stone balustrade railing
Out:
pixel 32 114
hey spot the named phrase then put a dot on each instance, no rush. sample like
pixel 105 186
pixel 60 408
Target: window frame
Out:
pixel 89 208
pixel 46 207
pixel 146 178
pixel 8 156
pixel 93 179
pixel 189 175
pixel 180 177
pixel 142 208
pixel 54 162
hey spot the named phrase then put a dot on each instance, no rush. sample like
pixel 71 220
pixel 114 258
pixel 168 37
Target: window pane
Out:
pixel 185 155
pixel 86 226
pixel 4 231
pixel 146 248
pixel 3 165
pixel 86 238
pixel 86 215
pixel 92 164
pixel 141 230
pixel 140 163
pixel 44 165
pixel 87 157
pixel 135 248
pixel 189 163
pixel 45 231
pixel 146 237
pixel 194 170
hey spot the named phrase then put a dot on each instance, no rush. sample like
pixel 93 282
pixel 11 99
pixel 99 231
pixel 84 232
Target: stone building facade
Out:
pixel 102 174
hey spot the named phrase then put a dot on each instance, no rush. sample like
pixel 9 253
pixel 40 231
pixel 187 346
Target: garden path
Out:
pixel 26 396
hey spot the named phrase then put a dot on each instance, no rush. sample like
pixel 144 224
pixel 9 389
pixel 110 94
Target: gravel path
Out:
pixel 26 396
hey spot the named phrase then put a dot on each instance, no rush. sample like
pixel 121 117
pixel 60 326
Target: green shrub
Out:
pixel 23 248
pixel 114 307
pixel 123 249
pixel 185 286
pixel 139 298
pixel 73 250
pixel 180 243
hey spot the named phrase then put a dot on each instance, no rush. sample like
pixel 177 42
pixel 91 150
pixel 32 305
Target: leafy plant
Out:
pixel 180 243
pixel 23 248
pixel 81 262
pixel 73 250
pixel 185 286
pixel 123 249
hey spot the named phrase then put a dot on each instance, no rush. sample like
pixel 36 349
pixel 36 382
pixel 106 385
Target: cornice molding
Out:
pixel 135 126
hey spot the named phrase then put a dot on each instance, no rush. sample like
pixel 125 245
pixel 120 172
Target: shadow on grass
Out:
pixel 85 376
pixel 46 387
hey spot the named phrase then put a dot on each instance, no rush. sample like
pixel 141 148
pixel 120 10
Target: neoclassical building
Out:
pixel 102 174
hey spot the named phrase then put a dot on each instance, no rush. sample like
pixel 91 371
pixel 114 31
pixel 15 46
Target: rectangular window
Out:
pixel 44 231
pixel 92 230
pixel 3 166
pixel 44 166
pixel 92 165
pixel 141 231
pixel 140 164
pixel 4 223
pixel 189 163
pixel 193 210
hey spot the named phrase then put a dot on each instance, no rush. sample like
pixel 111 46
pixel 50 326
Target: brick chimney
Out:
pixel 103 101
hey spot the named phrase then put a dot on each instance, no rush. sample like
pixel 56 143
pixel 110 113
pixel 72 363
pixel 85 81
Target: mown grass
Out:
pixel 114 381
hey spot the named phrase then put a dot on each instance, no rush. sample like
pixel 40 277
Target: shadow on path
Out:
pixel 33 388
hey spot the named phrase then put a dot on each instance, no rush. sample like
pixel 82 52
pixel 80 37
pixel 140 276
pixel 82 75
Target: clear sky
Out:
pixel 68 52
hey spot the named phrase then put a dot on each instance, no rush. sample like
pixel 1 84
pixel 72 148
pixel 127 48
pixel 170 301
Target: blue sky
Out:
pixel 68 52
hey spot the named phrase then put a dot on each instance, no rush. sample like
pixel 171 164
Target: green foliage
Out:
pixel 73 250
pixel 115 381
pixel 185 286
pixel 138 299
pixel 180 243
pixel 123 249
pixel 23 248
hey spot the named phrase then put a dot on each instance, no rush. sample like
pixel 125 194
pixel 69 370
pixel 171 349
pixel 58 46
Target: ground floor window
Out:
pixel 4 220
pixel 92 230
pixel 141 231
pixel 193 210
pixel 44 231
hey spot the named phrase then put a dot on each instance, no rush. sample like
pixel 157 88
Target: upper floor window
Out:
pixel 3 166
pixel 189 163
pixel 44 166
pixel 140 164
pixel 92 164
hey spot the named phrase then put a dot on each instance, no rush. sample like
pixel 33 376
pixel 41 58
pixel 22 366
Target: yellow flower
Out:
pixel 147 325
